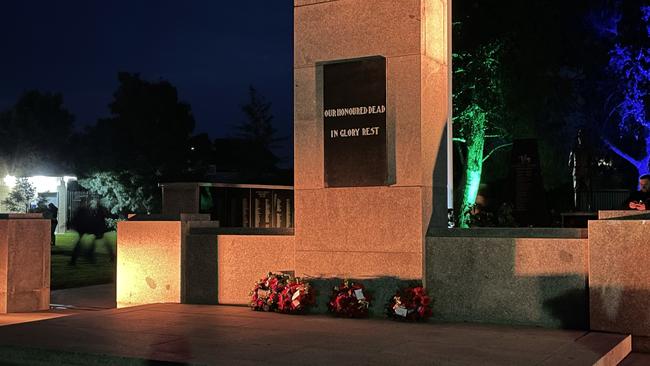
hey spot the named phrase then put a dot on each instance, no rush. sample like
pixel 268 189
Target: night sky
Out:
pixel 210 50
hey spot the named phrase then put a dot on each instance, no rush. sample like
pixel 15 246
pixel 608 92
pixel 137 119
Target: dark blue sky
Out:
pixel 210 50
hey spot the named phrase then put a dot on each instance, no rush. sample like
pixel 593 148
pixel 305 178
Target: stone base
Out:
pixel 527 281
pixel 619 276
pixel 24 263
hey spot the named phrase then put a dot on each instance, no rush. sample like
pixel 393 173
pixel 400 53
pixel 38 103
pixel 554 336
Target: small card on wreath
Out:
pixel 401 311
pixel 262 294
pixel 358 293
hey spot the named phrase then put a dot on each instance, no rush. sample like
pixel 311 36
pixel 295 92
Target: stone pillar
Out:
pixel 379 230
pixel 24 263
pixel 178 198
pixel 62 215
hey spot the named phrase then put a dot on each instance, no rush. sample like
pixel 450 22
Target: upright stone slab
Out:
pixel 24 263
pixel 375 227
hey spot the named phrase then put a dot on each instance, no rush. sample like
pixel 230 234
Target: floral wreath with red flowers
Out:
pixel 409 304
pixel 349 300
pixel 282 293
pixel 265 295
pixel 296 297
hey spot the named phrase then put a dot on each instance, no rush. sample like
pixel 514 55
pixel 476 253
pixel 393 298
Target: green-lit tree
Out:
pixel 121 192
pixel 20 197
pixel 479 111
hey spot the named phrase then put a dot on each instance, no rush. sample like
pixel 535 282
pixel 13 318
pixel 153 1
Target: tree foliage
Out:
pixel 20 197
pixel 479 112
pixel 121 192
pixel 628 35
pixel 35 135
pixel 258 126
pixel 150 126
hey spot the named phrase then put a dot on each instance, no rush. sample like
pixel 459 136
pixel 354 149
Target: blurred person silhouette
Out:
pixel 90 220
pixel 52 213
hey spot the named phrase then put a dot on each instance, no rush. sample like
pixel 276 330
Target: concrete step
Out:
pixel 636 359
pixel 593 349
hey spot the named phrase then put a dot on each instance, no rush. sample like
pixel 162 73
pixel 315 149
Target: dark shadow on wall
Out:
pixel 438 217
pixel 477 279
pixel 571 308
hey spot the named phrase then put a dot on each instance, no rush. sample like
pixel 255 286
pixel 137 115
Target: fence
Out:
pixel 602 199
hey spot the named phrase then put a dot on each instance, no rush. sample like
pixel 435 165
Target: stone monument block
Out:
pixel 376 227
pixel 24 263
pixel 148 262
pixel 493 276
pixel 619 276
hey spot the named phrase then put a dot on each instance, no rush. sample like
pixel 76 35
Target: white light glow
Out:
pixel 43 184
pixel 10 181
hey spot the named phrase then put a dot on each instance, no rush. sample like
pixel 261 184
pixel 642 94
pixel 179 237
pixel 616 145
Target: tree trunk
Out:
pixel 474 168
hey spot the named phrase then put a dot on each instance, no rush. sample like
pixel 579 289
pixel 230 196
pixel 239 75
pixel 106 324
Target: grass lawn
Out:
pixel 84 273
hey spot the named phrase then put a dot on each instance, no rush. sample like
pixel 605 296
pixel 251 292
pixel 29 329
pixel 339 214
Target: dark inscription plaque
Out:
pixel 354 116
pixel 528 191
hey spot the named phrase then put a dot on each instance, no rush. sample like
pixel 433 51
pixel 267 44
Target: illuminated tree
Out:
pixel 479 113
pixel 629 65
pixel 20 197
pixel 121 192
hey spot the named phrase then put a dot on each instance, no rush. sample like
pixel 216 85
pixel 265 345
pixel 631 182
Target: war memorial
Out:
pixel 372 88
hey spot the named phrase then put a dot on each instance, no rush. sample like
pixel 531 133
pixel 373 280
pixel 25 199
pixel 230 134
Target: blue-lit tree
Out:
pixel 629 63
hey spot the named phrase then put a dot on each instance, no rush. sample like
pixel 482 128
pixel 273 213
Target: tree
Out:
pixel 145 141
pixel 258 126
pixel 20 197
pixel 628 28
pixel 479 113
pixel 253 157
pixel 121 192
pixel 35 135
pixel 147 133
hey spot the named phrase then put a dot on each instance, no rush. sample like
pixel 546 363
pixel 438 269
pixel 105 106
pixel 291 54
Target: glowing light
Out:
pixel 42 183
pixel 10 181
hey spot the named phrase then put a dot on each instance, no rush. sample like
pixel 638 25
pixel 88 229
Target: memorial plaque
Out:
pixel 528 193
pixel 262 208
pixel 354 119
pixel 238 208
pixel 283 209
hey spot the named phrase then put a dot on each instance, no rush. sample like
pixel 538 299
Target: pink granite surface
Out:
pixel 624 214
pixel 24 264
pixel 619 276
pixel 376 231
pixel 244 259
pixel 148 262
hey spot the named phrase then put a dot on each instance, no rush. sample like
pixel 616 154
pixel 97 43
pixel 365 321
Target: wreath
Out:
pixel 409 304
pixel 349 300
pixel 296 297
pixel 282 293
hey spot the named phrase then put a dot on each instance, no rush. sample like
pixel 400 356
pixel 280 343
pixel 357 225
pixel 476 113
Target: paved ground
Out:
pixel 89 298
pixel 226 335
pixel 174 334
